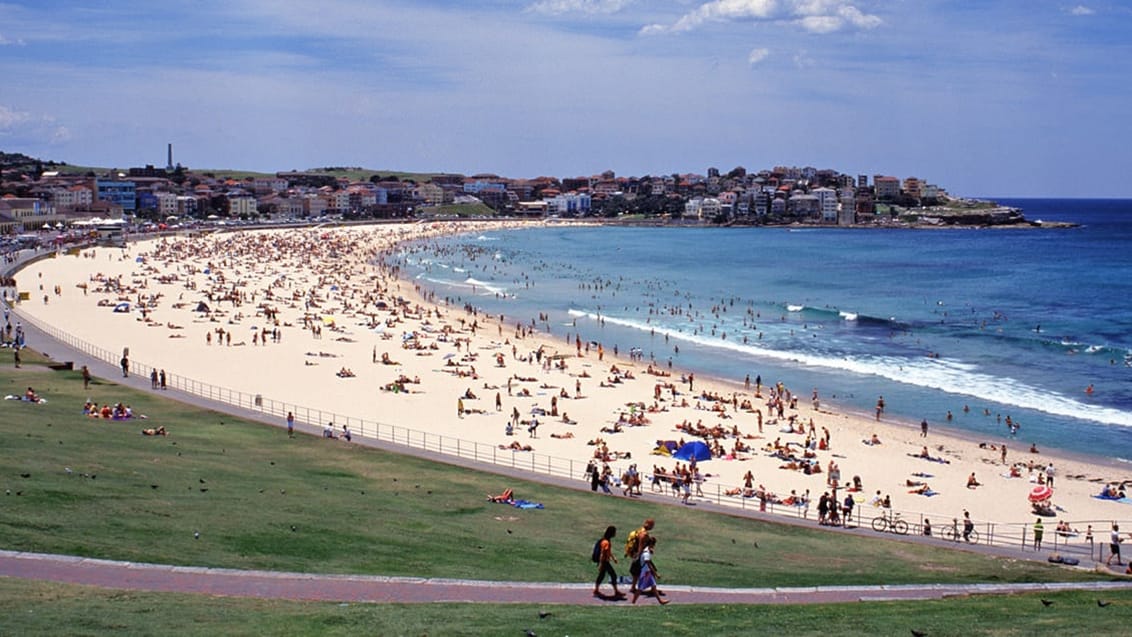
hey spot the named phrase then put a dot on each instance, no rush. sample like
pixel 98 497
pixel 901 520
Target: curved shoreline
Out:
pixel 884 468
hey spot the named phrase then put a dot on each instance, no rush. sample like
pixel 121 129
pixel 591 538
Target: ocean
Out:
pixel 986 324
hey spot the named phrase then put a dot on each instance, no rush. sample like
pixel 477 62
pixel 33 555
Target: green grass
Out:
pixel 359 510
pixel 243 486
pixel 477 209
pixel 41 608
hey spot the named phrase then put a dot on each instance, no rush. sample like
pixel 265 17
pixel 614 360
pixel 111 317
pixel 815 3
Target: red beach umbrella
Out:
pixel 1040 493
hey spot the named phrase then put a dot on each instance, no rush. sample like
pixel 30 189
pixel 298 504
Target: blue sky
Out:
pixel 996 98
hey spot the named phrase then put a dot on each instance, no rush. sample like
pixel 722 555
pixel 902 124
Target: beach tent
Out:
pixel 694 449
pixel 122 307
pixel 202 307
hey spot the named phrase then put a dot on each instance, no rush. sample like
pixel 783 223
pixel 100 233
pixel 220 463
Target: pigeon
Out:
pixel 93 476
pixel 153 486
pixel 1047 602
pixel 543 614
pixel 916 633
pixel 508 531
pixel 1099 602
pixel 293 529
pixel 273 463
pixel 203 490
pixel 196 535
pixel 68 470
pixel 201 480
pixel 25 475
pixel 530 633
pixel 19 493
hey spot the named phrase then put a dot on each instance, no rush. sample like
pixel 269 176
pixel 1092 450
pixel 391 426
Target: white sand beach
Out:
pixel 303 315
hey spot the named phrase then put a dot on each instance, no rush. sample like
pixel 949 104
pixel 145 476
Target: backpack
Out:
pixel 631 543
pixel 597 551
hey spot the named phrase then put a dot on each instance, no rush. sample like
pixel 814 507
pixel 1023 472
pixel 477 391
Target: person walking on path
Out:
pixel 1114 545
pixel 649 576
pixel 16 356
pixel 153 379
pixel 880 407
pixel 290 424
pixel 86 377
pixel 635 546
pixel 161 379
pixel 606 561
pixel 1039 530
pixel 924 428
pixel 125 362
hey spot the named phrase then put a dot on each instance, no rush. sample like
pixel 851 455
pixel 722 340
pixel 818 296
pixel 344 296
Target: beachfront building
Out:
pixel 27 213
pixel 886 188
pixel 429 194
pixel 571 204
pixel 913 187
pixel 119 193
pixel 241 205
pixel 827 204
pixel 702 208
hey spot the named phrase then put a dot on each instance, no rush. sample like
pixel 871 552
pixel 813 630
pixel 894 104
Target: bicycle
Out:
pixel 892 524
pixel 955 533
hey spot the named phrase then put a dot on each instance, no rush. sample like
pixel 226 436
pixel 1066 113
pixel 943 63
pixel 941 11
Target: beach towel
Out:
pixel 526 504
pixel 1112 499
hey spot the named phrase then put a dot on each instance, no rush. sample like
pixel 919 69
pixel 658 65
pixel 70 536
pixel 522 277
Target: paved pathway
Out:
pixel 373 588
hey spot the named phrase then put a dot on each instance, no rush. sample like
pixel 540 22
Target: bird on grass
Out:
pixel 25 475
pixel 196 535
pixel 917 633
pixel 543 614
pixel 1047 602
pixel 530 633
pixel 1102 604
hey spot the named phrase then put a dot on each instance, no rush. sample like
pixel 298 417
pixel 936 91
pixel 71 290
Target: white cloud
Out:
pixel 11 118
pixel 589 7
pixel 1081 10
pixel 60 135
pixel 757 55
pixel 815 16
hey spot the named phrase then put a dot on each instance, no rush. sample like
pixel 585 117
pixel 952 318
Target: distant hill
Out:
pixel 21 163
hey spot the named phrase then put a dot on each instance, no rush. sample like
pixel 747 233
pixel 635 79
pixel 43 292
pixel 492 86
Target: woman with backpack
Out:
pixel 603 555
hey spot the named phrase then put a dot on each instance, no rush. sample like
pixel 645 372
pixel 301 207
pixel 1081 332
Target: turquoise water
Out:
pixel 982 323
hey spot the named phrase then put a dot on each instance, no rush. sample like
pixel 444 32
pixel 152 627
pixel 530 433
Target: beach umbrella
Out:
pixel 694 449
pixel 1041 493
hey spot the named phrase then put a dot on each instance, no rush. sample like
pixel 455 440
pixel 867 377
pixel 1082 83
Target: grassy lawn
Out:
pixel 37 608
pixel 261 500
pixel 98 488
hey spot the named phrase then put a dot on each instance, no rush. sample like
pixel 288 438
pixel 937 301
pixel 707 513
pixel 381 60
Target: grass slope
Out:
pixel 262 501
